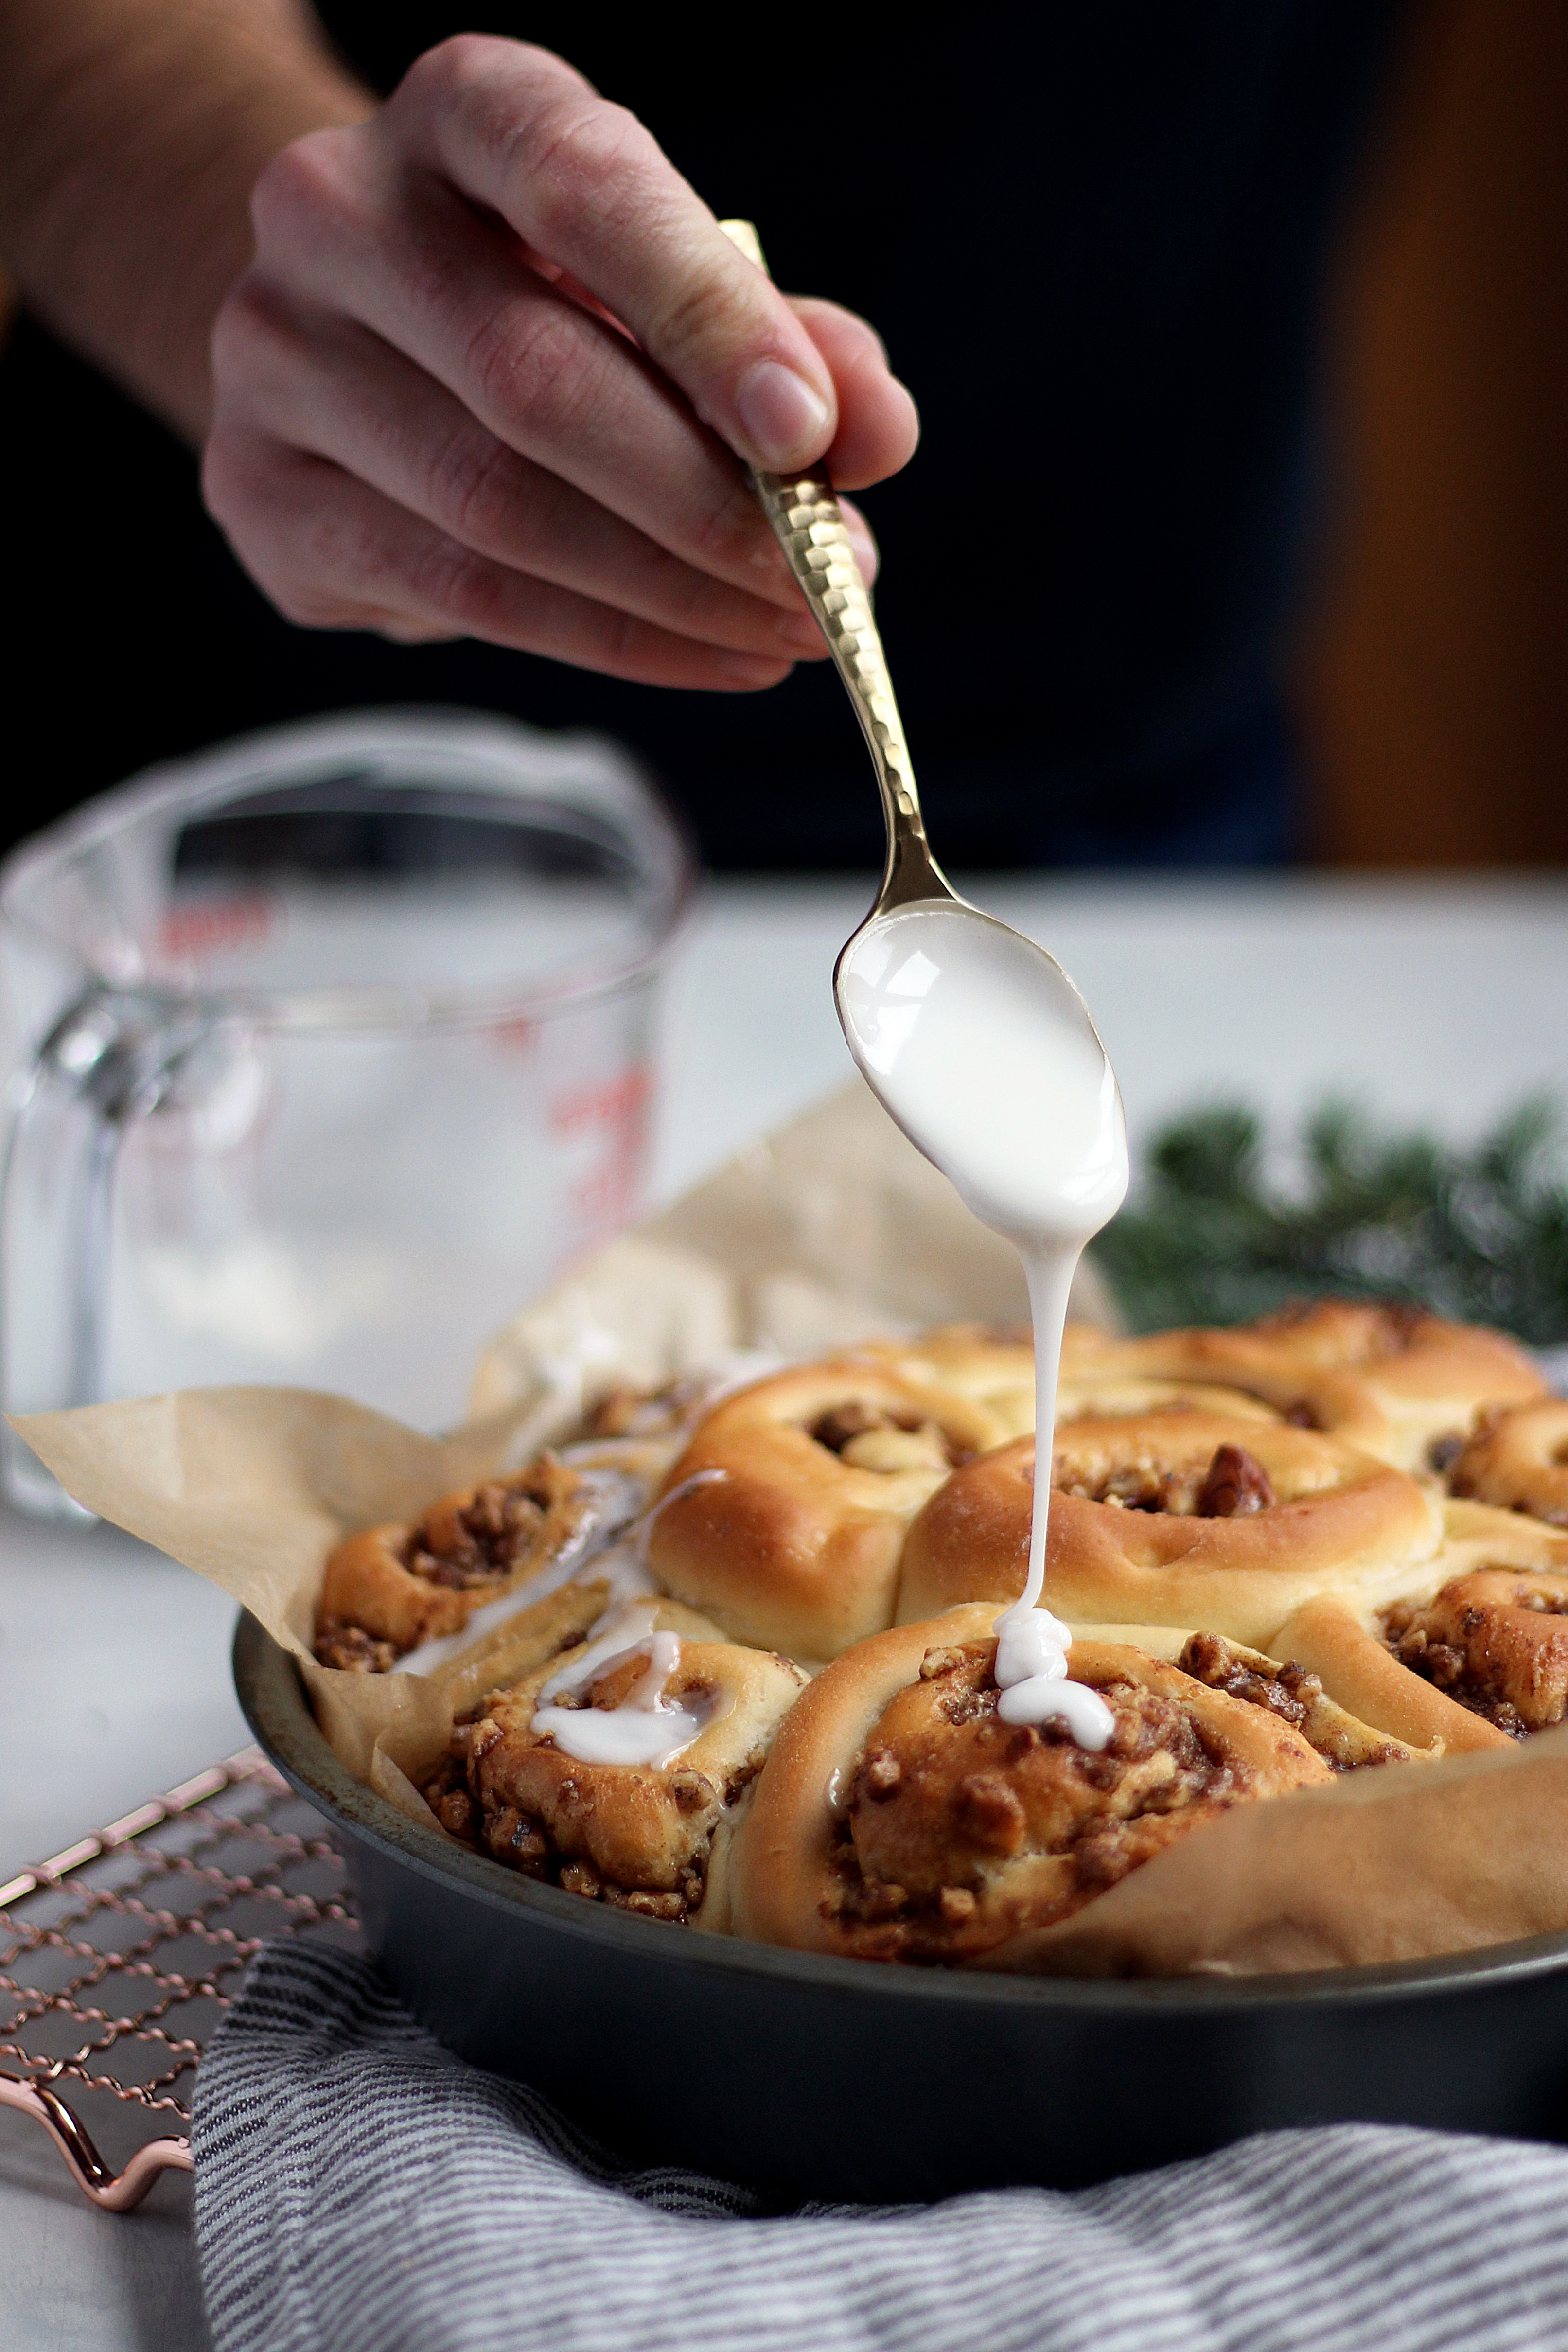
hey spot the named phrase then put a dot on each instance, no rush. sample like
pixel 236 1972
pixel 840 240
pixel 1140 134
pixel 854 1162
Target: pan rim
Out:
pixel 273 1699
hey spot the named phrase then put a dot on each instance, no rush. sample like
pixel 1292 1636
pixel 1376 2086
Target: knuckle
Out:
pixel 451 69
pixel 305 183
pixel 517 102
pixel 246 330
pixel 453 582
pixel 298 557
pixel 542 371
pixel 234 478
pixel 575 157
pixel 474 487
pixel 696 314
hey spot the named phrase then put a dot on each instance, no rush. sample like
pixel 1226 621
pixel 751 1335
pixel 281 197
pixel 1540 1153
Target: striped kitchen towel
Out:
pixel 359 2190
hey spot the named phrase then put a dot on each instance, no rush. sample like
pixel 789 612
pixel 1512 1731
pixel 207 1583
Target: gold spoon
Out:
pixel 870 977
pixel 809 526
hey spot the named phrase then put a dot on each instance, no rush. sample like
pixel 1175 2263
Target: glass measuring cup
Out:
pixel 325 1051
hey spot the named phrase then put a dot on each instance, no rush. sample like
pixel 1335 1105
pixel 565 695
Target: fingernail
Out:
pixel 749 669
pixel 781 416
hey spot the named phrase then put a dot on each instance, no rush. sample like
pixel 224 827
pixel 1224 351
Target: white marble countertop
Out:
pixel 1437 1002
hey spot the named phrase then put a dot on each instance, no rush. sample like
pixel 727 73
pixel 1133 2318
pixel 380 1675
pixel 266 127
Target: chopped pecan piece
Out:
pixel 1235 1483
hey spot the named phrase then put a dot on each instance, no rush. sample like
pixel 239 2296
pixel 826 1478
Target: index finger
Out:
pixel 581 182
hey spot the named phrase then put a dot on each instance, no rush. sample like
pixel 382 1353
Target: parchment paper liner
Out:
pixel 831 1231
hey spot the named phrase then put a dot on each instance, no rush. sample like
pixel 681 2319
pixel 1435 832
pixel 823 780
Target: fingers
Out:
pixel 423 271
pixel 334 553
pixel 582 181
pixel 879 425
pixel 483 329
pixel 331 389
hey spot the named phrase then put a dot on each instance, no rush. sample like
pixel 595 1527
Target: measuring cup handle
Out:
pixel 106 1062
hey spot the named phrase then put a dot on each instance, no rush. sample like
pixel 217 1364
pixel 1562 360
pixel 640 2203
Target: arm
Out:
pixel 132 132
pixel 492 365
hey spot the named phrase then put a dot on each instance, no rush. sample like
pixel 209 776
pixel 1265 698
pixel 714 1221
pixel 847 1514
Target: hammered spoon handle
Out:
pixel 809 526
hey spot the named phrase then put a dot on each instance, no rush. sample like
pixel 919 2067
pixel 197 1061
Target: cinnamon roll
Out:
pixel 1096 1377
pixel 641 1430
pixel 992 1369
pixel 609 1769
pixel 1179 1517
pixel 386 1589
pixel 1518 1460
pixel 1395 1380
pixel 786 1516
pixel 1473 1654
pixel 899 1817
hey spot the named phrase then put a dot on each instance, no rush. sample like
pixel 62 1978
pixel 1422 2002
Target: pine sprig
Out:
pixel 1480 1234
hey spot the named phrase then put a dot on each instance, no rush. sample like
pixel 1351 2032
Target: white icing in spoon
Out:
pixel 645 1727
pixel 983 1051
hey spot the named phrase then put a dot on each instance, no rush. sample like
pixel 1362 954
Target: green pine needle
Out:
pixel 1479 1234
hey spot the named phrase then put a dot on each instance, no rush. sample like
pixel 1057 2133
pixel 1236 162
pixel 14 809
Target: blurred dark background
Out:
pixel 1238 335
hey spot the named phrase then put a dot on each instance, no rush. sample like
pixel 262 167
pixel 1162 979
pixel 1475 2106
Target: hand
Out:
pixel 492 371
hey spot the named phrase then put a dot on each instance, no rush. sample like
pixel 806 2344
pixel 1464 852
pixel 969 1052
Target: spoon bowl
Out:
pixel 949 1013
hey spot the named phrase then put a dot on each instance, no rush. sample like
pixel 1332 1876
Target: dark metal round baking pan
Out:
pixel 815 2077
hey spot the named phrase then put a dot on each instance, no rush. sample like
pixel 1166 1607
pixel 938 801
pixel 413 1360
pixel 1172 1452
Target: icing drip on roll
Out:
pixel 613 1503
pixel 1031 1645
pixel 610 1547
pixel 1031 1675
pixel 624 1566
pixel 645 1727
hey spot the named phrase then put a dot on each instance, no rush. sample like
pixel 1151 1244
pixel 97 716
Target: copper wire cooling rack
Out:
pixel 118 1957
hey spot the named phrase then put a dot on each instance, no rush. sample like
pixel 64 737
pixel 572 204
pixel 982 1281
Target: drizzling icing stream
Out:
pixel 983 1051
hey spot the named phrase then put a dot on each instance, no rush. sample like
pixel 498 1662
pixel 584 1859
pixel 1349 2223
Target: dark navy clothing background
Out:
pixel 1093 240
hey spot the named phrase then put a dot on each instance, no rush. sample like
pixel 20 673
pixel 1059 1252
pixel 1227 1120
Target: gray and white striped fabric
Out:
pixel 360 2190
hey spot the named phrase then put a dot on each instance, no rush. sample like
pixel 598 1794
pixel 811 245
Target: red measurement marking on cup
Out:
pixel 517 1036
pixel 216 927
pixel 619 1104
pixel 604 1198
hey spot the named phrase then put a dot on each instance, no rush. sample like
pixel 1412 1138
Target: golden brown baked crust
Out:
pixel 386 1589
pixel 1181 1519
pixel 898 1818
pixel 993 1369
pixel 1473 1654
pixel 1517 1460
pixel 638 1836
pixel 1393 1380
pixel 785 1517
pixel 1350 1614
pixel 1495 1641
pixel 1096 1377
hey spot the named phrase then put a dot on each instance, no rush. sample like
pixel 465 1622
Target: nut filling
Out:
pixel 1495 1641
pixel 494 1533
pixel 946 1800
pixel 474 1543
pixel 353 1651
pixel 879 1437
pixel 1232 1484
pixel 1213 1661
pixel 555 1840
pixel 639 1836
